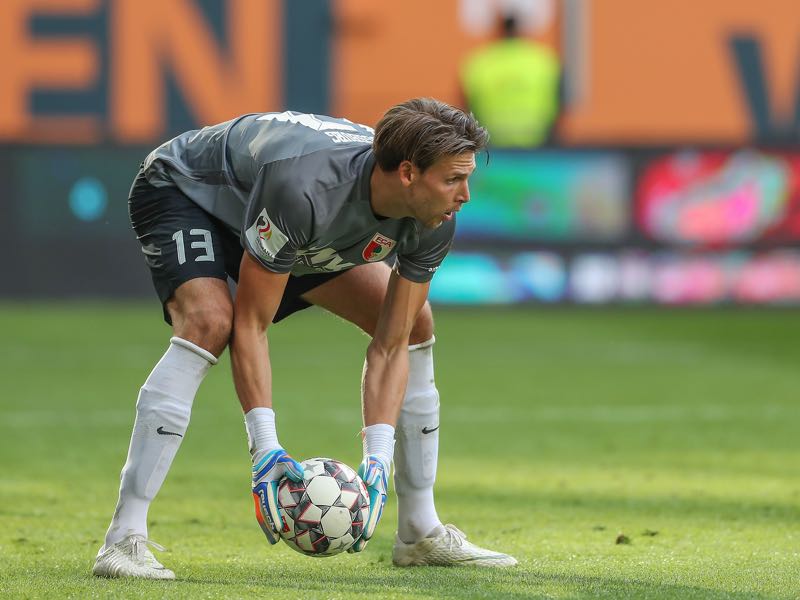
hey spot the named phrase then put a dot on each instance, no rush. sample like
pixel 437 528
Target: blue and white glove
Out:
pixel 375 473
pixel 267 473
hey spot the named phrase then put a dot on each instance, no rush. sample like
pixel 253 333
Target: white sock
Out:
pixel 417 450
pixel 379 440
pixel 162 416
pixel 261 435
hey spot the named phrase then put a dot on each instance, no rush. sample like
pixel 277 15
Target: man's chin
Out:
pixel 433 224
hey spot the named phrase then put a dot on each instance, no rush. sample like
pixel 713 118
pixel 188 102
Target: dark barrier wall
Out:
pixel 65 229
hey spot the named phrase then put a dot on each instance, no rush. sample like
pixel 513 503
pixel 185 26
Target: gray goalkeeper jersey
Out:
pixel 296 187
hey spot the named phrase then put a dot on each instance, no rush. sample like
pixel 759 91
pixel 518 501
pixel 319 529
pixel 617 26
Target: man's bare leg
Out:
pixel 201 313
pixel 421 537
pixel 417 431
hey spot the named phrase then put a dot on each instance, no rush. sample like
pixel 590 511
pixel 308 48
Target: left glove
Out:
pixel 267 473
pixel 375 473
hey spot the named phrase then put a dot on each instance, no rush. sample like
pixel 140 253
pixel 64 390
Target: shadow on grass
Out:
pixel 355 577
pixel 714 508
pixel 438 582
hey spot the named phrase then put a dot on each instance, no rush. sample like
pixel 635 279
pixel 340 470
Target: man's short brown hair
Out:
pixel 422 130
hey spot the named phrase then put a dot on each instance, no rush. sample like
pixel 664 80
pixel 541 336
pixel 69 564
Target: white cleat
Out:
pixel 447 546
pixel 131 558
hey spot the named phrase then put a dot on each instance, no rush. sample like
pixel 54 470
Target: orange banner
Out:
pixel 638 72
pixel 664 72
pixel 217 80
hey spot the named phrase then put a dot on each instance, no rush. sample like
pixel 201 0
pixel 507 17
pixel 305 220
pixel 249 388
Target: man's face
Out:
pixel 440 191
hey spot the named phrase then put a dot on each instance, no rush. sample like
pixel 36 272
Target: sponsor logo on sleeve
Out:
pixel 378 248
pixel 265 237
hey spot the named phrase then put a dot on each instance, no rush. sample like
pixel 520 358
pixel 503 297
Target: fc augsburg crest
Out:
pixel 378 248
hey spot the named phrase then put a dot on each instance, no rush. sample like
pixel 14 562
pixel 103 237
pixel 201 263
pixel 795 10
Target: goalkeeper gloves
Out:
pixel 375 472
pixel 268 470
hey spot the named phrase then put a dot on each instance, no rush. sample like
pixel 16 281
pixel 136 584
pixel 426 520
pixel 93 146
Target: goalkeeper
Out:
pixel 300 210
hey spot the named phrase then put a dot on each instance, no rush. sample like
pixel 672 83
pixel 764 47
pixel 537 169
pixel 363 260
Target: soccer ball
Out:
pixel 325 513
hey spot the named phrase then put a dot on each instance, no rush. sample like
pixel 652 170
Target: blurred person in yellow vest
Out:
pixel 512 87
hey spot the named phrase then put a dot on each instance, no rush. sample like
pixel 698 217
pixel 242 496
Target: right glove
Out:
pixel 375 473
pixel 267 473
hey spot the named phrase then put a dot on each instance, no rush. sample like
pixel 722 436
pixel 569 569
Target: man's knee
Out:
pixel 209 327
pixel 203 319
pixel 423 326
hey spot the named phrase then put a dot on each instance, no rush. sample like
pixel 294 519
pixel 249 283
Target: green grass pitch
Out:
pixel 562 432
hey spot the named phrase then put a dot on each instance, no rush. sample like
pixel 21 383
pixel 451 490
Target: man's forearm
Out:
pixel 384 383
pixel 252 372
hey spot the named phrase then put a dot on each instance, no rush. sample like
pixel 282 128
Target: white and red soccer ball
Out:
pixel 325 513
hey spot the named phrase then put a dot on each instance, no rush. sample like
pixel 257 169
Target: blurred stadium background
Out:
pixel 674 177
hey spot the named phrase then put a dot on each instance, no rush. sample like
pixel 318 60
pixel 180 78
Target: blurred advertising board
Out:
pixel 688 227
pixel 709 198
pixel 554 196
pixel 620 277
pixel 700 227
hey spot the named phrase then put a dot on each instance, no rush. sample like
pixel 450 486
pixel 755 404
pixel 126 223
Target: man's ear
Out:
pixel 408 174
